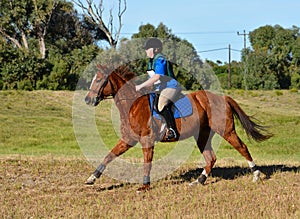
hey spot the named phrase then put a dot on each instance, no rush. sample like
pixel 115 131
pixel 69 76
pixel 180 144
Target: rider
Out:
pixel 166 88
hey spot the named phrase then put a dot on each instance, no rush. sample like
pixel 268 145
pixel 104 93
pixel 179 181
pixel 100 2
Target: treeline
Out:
pixel 48 44
pixel 44 44
pixel 272 62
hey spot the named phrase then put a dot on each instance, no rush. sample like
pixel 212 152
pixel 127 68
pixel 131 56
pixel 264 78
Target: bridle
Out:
pixel 99 93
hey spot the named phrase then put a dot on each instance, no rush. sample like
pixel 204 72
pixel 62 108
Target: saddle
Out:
pixel 181 108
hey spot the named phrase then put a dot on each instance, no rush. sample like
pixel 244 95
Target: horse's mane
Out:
pixel 125 72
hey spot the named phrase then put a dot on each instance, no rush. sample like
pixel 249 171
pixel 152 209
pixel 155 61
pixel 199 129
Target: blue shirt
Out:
pixel 160 67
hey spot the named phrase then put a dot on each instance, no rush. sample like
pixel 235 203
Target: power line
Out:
pixel 206 32
pixel 192 33
pixel 213 50
pixel 236 50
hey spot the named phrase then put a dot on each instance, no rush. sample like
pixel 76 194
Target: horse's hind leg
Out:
pixel 241 147
pixel 205 147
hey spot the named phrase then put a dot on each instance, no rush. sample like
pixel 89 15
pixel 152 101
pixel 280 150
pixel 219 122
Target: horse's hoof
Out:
pixel 91 180
pixel 256 176
pixel 143 188
pixel 194 183
pixel 201 180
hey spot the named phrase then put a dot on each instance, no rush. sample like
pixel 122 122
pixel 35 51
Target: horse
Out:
pixel 212 113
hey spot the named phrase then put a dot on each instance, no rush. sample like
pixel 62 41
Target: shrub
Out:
pixel 295 80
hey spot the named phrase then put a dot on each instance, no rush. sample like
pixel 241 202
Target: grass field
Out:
pixel 43 169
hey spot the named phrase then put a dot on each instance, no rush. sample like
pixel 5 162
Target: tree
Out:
pixel 295 65
pixel 94 14
pixel 40 19
pixel 162 31
pixel 14 22
pixel 221 70
pixel 42 50
pixel 271 58
pixel 22 19
pixel 67 31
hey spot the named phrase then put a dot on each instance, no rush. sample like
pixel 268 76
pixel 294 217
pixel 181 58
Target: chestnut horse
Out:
pixel 211 114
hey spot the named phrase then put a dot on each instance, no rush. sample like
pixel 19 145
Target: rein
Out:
pixel 129 97
pixel 107 80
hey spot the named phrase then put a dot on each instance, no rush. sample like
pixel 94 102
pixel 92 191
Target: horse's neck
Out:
pixel 125 98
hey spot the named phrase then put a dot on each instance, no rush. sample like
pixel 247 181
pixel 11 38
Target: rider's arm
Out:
pixel 149 82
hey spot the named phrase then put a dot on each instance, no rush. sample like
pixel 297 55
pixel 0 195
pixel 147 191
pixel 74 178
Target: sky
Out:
pixel 210 25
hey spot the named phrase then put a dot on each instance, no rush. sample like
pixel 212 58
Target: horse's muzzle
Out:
pixel 92 101
pixel 87 100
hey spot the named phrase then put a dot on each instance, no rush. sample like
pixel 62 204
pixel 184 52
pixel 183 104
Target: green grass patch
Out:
pixel 40 123
pixel 37 123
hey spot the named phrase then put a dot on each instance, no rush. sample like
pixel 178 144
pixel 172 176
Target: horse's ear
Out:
pixel 100 68
pixel 125 68
pixel 108 69
pixel 103 69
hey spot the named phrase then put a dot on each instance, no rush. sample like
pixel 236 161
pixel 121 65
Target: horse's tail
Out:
pixel 253 130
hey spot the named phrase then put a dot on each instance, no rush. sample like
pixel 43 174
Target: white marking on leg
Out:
pixel 196 182
pixel 251 164
pixel 204 173
pixel 91 180
pixel 256 175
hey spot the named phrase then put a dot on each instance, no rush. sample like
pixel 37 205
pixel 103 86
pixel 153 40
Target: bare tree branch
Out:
pixel 95 15
pixel 111 19
pixel 15 41
pixel 24 39
pixel 120 14
pixel 80 4
pixel 99 9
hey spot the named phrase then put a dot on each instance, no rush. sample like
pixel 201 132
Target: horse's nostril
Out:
pixel 87 100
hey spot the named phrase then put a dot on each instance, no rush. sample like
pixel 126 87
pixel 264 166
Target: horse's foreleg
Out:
pixel 119 149
pixel 148 156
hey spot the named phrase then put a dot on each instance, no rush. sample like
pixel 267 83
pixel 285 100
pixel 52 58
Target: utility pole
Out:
pixel 229 66
pixel 245 46
pixel 243 34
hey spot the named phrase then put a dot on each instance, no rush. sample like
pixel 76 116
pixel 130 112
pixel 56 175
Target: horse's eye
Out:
pixel 98 81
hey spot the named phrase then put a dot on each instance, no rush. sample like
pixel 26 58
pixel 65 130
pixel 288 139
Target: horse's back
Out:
pixel 212 106
pixel 195 123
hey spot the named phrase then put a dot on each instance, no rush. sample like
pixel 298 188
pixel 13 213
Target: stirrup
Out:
pixel 171 134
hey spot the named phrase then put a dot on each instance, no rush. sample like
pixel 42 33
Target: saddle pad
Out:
pixel 181 108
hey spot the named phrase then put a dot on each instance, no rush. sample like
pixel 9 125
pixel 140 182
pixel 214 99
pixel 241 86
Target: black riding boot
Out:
pixel 171 133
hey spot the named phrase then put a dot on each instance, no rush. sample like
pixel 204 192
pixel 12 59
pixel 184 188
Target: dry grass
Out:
pixel 48 187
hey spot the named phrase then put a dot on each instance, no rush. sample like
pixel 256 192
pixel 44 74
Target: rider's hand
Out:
pixel 138 87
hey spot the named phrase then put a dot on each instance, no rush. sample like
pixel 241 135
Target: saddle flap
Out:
pixel 182 107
